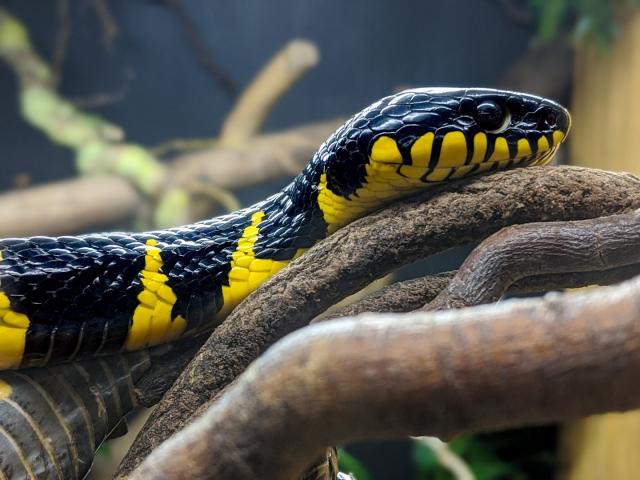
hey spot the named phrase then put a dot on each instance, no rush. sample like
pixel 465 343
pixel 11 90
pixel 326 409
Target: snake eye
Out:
pixel 551 118
pixel 492 117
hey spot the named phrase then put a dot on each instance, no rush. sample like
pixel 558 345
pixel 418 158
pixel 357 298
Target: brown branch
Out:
pixel 424 372
pixel 410 295
pixel 265 158
pixel 399 297
pixel 69 206
pixel 523 251
pixel 79 205
pixel 273 81
pixel 369 248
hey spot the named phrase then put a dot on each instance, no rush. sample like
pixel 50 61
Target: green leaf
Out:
pixel 552 16
pixel 425 462
pixel 351 465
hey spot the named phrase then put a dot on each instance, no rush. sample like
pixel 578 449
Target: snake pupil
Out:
pixel 551 118
pixel 489 115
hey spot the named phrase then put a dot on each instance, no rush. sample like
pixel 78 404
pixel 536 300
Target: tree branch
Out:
pixel 523 251
pixel 99 145
pixel 424 372
pixel 273 81
pixel 410 295
pixel 78 205
pixel 436 220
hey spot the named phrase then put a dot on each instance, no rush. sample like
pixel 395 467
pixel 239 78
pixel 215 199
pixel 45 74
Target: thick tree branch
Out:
pixel 399 297
pixel 467 211
pixel 523 251
pixel 424 372
pixel 69 206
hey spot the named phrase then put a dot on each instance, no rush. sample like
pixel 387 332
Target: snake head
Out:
pixel 428 135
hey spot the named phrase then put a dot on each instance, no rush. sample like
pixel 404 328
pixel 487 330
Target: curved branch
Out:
pixel 273 81
pixel 410 295
pixel 424 372
pixel 399 297
pixel 369 248
pixel 541 248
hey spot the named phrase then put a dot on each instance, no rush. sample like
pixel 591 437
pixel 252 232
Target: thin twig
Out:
pixel 109 27
pixel 199 48
pixel 60 40
pixel 447 458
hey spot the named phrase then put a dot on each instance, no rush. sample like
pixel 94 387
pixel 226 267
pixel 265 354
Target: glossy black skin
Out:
pixel 412 113
pixel 75 407
pixel 80 292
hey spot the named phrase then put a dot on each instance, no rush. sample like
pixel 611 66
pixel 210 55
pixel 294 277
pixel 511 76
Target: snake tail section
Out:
pixel 71 297
pixel 52 419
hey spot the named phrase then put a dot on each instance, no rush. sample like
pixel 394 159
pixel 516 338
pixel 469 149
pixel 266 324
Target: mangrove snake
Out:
pixel 68 298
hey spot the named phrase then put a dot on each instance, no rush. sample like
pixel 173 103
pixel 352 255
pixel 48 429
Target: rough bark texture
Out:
pixel 533 249
pixel 369 248
pixel 423 372
pixel 398 297
pixel 412 295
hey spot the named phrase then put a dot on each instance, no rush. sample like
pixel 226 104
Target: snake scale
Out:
pixel 74 298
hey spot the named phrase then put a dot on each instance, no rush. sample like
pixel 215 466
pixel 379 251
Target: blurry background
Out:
pixel 138 91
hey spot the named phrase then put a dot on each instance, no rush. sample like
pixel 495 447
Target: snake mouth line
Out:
pixel 438 174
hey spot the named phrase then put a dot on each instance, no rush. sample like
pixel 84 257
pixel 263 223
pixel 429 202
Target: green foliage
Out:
pixel 519 454
pixel 349 464
pixel 594 20
pixel 480 456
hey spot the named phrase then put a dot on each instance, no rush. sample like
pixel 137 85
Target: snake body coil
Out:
pixel 71 297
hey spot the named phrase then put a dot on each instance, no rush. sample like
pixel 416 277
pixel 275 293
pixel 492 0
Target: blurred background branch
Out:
pixel 99 148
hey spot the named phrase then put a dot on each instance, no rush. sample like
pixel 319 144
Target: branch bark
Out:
pixel 410 295
pixel 467 211
pixel 424 372
pixel 534 249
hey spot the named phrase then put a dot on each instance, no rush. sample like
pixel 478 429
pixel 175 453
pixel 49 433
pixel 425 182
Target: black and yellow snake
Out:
pixel 73 297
